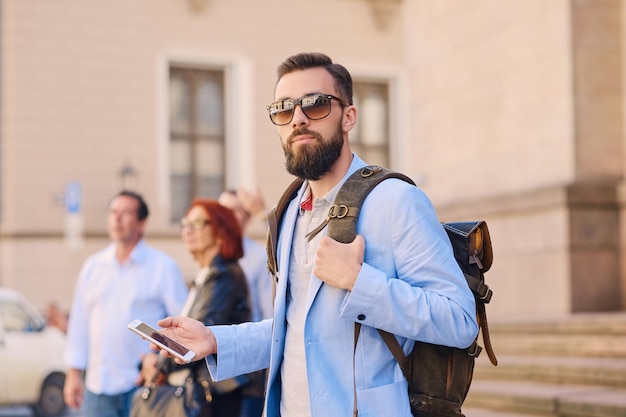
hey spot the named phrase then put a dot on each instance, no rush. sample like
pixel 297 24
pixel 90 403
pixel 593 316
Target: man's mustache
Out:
pixel 302 131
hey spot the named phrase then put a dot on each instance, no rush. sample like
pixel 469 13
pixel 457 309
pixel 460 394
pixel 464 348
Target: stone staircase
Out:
pixel 569 367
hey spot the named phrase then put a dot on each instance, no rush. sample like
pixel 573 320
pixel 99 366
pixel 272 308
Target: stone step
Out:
pixel 609 372
pixel 576 323
pixel 588 335
pixel 536 398
pixel 481 412
pixel 559 345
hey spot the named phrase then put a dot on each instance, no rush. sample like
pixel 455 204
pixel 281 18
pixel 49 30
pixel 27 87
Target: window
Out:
pixel 197 136
pixel 370 137
pixel 14 318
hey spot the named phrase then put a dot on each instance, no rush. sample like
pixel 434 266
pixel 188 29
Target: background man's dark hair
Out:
pixel 142 207
pixel 307 60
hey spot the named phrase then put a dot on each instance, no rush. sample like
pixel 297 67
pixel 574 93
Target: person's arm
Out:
pixel 73 389
pixel 409 283
pixel 243 348
pixel 76 355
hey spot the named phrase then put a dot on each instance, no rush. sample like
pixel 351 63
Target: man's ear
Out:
pixel 349 118
pixel 142 227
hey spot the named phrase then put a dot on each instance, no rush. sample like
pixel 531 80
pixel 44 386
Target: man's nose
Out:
pixel 299 118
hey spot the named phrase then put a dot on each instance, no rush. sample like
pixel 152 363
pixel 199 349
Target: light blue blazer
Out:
pixel 409 285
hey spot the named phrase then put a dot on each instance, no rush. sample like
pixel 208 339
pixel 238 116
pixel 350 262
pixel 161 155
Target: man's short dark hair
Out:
pixel 307 60
pixel 142 207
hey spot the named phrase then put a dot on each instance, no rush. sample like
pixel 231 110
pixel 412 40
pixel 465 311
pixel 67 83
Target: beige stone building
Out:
pixel 506 110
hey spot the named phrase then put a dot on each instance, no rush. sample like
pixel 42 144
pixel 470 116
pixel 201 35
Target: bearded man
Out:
pixel 399 274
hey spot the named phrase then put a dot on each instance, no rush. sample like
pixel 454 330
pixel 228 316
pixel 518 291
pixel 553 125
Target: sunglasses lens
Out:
pixel 281 112
pixel 316 107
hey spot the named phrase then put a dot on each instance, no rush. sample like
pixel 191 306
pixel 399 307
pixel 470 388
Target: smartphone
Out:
pixel 162 341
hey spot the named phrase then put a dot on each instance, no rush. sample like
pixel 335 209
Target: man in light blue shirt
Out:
pixel 398 275
pixel 127 280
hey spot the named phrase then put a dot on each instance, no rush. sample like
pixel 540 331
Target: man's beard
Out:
pixel 314 159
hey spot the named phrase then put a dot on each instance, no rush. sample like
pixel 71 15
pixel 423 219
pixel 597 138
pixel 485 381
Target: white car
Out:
pixel 31 357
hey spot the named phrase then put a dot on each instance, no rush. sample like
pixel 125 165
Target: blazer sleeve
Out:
pixel 410 284
pixel 241 349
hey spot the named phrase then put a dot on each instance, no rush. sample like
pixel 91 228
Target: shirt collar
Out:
pixel 306 203
pixel 307 199
pixel 136 255
pixel 202 275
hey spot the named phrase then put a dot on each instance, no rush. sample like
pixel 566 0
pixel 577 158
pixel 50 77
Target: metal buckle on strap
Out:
pixel 370 170
pixel 338 211
pixel 484 292
pixel 474 350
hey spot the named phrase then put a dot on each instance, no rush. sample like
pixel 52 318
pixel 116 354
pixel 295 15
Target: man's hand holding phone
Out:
pixel 156 338
pixel 189 332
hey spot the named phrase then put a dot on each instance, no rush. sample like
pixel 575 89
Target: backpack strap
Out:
pixel 481 315
pixel 274 218
pixel 480 258
pixel 342 218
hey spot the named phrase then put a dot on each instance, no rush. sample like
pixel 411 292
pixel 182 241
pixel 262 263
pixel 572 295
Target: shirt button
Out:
pixel 361 317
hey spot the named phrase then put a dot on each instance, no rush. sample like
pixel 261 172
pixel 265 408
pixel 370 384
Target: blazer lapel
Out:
pixel 283 254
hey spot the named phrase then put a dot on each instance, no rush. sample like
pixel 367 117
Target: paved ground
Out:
pixel 25 411
pixel 16 411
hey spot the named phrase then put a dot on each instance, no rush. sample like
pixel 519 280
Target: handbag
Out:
pixel 226 386
pixel 167 400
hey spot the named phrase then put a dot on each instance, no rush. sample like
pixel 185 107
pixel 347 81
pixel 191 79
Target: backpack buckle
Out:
pixel 474 350
pixel 370 170
pixel 338 211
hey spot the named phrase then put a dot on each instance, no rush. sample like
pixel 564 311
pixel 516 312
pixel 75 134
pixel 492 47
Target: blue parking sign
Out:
pixel 73 197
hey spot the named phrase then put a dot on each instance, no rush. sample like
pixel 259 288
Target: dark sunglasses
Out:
pixel 314 106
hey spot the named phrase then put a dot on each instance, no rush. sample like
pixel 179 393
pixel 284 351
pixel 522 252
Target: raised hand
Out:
pixel 338 264
pixel 189 332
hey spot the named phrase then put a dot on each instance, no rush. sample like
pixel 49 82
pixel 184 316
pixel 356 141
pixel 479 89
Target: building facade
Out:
pixel 509 111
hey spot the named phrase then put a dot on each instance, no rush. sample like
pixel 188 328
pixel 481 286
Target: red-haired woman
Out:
pixel 218 294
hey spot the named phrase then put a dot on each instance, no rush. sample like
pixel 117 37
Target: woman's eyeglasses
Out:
pixel 197 224
pixel 314 106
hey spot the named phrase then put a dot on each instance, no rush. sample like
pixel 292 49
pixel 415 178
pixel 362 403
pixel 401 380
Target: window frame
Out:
pixel 398 101
pixel 239 106
pixel 193 138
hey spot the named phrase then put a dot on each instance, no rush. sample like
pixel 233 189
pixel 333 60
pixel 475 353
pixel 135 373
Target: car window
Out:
pixel 13 317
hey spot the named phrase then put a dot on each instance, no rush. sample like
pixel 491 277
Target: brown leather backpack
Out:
pixel 439 377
